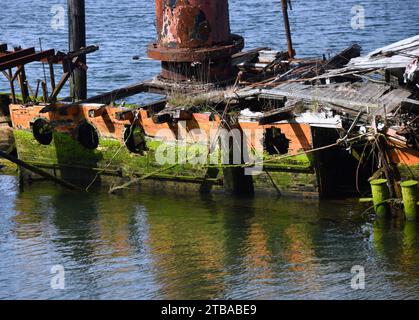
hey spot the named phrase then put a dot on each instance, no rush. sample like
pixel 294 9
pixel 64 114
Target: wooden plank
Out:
pixel 16 54
pixel 60 85
pixel 343 57
pixel 246 56
pixel 342 102
pixel 277 115
pixel 392 100
pixel 60 57
pixel 27 59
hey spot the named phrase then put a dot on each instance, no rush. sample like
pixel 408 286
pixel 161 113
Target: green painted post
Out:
pixel 410 198
pixel 380 194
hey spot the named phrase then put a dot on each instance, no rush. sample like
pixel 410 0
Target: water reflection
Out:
pixel 398 245
pixel 144 245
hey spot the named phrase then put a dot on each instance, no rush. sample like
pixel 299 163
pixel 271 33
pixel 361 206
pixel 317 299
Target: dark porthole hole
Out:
pixel 276 142
pixel 88 136
pixel 42 131
pixel 135 139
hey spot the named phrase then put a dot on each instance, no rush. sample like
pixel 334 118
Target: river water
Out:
pixel 145 245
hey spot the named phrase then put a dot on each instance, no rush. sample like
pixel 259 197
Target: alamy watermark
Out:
pixel 58 280
pixel 358 19
pixel 358 280
pixel 220 146
pixel 58 17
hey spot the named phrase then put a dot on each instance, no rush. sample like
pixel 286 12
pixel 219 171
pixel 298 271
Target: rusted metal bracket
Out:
pixel 194 41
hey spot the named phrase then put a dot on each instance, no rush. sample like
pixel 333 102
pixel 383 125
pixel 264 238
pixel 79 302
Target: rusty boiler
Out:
pixel 194 41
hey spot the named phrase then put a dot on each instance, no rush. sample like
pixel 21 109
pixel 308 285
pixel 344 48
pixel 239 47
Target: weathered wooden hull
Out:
pixel 112 161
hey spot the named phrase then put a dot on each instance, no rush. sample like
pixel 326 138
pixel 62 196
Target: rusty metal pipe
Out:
pixel 194 40
pixel 291 52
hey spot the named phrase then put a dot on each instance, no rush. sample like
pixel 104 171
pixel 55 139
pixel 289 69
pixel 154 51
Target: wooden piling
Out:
pixel 77 40
pixel 380 194
pixel 291 52
pixel 410 199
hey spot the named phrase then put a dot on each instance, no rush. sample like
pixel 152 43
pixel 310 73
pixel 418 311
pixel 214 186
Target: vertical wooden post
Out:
pixel 77 40
pixel 380 194
pixel 291 52
pixel 410 199
pixel 22 80
pixel 52 76
pixel 23 85
pixel 12 86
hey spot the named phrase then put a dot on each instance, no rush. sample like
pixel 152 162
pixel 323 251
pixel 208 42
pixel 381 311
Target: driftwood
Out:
pixel 117 94
pixel 343 57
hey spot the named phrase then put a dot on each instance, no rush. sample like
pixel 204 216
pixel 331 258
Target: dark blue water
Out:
pixel 144 244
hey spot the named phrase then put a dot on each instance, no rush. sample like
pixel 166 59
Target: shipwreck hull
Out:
pixel 110 159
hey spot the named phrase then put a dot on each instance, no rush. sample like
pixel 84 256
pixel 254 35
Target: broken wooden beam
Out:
pixel 26 59
pixel 277 115
pixel 246 56
pixel 343 57
pixel 60 56
pixel 108 97
pixel 16 54
pixel 58 88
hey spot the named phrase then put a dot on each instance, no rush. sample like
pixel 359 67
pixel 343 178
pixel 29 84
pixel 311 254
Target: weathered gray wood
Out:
pixel 392 100
pixel 246 56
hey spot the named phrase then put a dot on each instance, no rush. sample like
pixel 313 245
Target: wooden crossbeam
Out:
pixel 27 59
pixel 16 54
pixel 60 85
pixel 60 57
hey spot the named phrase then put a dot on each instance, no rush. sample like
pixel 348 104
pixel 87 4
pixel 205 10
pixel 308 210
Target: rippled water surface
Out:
pixel 149 245
pixel 144 245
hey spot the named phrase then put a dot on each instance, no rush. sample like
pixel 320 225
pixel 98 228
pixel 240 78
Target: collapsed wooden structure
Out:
pixel 317 115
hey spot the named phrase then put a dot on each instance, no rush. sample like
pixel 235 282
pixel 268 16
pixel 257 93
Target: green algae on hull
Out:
pixel 290 175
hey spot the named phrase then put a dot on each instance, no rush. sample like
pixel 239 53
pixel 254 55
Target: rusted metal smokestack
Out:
pixel 194 40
